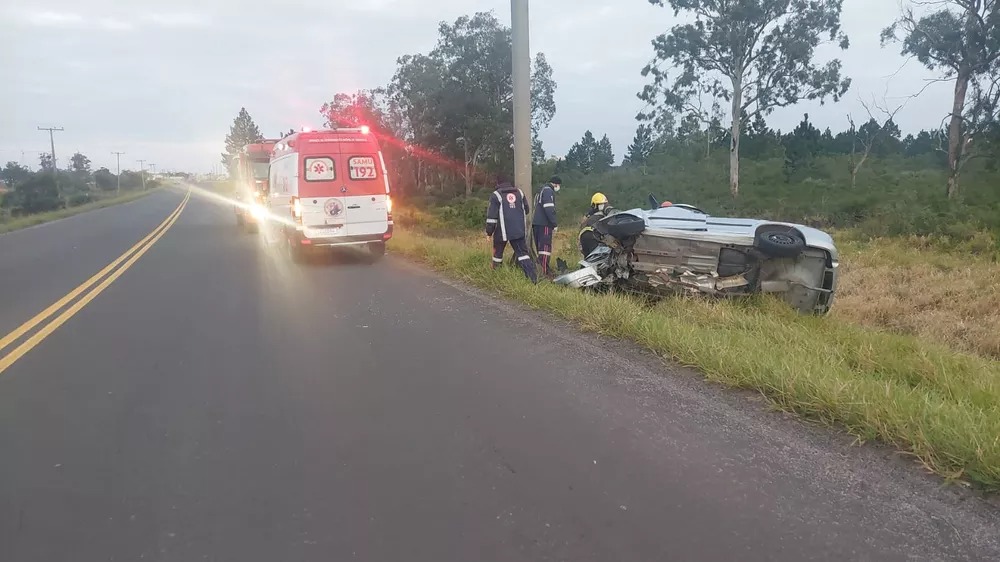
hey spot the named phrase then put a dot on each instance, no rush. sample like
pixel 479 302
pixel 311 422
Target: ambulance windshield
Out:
pixel 260 170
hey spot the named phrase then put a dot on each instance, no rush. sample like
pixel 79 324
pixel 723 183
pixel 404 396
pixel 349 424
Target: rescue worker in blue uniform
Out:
pixel 505 222
pixel 543 223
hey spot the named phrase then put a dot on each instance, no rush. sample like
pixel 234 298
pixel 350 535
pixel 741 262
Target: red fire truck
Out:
pixel 252 164
pixel 332 189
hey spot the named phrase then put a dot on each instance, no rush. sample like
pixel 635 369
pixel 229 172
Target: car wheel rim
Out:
pixel 782 239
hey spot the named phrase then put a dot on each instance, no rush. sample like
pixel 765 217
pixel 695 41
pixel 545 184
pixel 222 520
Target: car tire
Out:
pixel 780 243
pixel 621 226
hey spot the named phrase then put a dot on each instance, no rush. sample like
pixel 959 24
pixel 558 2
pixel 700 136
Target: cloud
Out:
pixel 147 75
pixel 377 6
pixel 114 24
pixel 48 18
pixel 178 19
pixel 66 19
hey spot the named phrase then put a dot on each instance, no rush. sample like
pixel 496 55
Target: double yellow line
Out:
pixel 110 273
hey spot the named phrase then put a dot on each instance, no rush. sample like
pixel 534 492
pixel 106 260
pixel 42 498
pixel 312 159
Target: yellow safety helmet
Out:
pixel 598 199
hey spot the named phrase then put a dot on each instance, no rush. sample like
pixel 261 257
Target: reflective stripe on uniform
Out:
pixel 491 221
pixel 545 253
pixel 503 225
pixel 522 258
pixel 549 205
pixel 498 260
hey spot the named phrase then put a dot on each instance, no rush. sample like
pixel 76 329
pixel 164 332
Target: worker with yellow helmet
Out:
pixel 600 207
pixel 598 203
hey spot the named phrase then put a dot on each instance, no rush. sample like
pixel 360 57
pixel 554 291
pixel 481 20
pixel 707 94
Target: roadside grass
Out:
pixel 938 404
pixel 906 286
pixel 942 290
pixel 17 223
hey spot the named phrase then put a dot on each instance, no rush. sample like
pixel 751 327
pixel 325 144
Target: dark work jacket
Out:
pixel 506 213
pixel 545 207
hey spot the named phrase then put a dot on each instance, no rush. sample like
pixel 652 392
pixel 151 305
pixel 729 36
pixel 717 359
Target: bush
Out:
pixel 464 213
pixel 78 199
pixel 894 196
pixel 37 194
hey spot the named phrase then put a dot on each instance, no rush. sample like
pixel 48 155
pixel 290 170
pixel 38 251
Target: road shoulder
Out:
pixel 894 492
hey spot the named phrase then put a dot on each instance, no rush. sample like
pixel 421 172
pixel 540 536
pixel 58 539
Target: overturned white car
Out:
pixel 675 247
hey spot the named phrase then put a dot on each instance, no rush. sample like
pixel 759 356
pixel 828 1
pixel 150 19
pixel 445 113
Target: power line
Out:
pixel 52 143
pixel 118 158
pixel 23 152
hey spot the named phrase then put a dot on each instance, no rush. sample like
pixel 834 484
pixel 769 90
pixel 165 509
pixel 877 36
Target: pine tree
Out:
pixel 604 156
pixel 590 155
pixel 581 154
pixel 641 147
pixel 801 146
pixel 243 132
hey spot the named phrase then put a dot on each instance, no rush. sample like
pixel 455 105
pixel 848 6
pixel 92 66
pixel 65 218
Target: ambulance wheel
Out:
pixel 376 250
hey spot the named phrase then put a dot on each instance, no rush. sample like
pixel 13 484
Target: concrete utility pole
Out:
pixel 118 158
pixel 142 173
pixel 521 70
pixel 521 77
pixel 52 143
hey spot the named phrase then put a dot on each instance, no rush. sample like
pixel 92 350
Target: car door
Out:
pixel 321 197
pixel 364 193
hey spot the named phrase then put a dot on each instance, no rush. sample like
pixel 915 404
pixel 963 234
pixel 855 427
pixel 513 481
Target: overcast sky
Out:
pixel 163 81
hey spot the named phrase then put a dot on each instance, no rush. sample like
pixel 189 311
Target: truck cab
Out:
pixel 332 187
pixel 252 165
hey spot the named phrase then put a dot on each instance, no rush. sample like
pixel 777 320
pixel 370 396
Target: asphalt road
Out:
pixel 218 403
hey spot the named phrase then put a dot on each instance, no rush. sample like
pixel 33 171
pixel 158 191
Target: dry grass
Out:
pixel 934 402
pixel 949 298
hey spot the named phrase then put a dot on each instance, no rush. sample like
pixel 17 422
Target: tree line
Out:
pixel 759 55
pixel 445 116
pixel 29 191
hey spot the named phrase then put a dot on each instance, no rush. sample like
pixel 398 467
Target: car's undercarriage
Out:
pixel 717 257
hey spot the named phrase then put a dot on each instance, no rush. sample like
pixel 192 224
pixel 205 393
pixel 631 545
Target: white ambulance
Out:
pixel 330 188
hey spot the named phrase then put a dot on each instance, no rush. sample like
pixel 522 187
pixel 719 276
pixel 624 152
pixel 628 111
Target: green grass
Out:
pixel 17 223
pixel 940 405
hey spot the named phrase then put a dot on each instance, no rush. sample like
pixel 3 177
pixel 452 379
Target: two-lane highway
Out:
pixel 216 402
